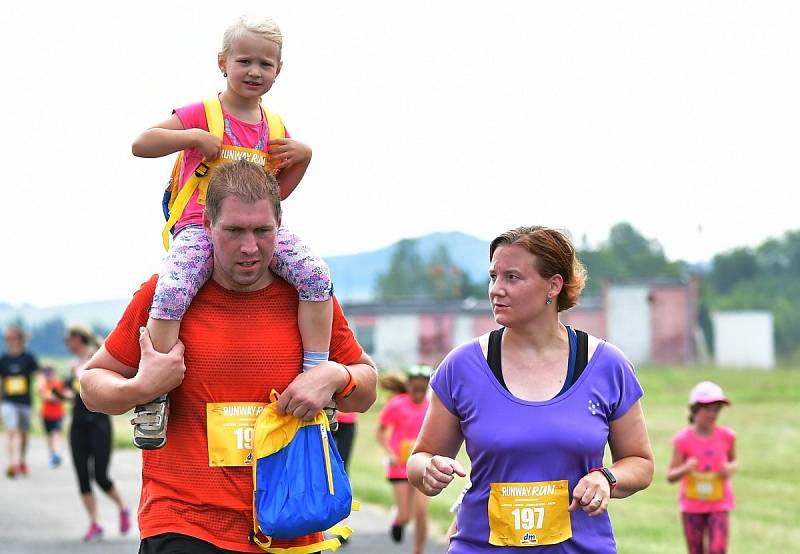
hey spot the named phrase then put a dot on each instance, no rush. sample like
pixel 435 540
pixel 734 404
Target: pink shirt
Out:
pixel 404 417
pixel 711 453
pixel 193 116
pixel 346 417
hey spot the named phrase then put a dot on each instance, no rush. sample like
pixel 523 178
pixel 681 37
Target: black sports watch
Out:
pixel 612 481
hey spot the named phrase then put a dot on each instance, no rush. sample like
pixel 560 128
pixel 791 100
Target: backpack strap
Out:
pixel 275 124
pixel 216 126
pixel 178 199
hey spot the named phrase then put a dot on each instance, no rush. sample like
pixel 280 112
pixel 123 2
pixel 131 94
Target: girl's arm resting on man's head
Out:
pixel 169 137
pixel 436 448
pixel 631 452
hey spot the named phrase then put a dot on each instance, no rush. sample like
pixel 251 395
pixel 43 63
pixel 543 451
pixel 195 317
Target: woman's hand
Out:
pixel 440 472
pixel 286 152
pixel 591 494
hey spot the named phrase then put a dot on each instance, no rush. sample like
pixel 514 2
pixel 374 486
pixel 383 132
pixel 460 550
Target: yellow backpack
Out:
pixel 176 197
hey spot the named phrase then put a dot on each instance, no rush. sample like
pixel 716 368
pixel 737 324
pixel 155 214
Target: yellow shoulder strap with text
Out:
pixel 216 127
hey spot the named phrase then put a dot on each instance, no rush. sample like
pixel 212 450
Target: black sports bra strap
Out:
pixel 493 355
pixel 582 358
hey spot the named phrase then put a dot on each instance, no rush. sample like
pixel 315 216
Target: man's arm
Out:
pixel 311 390
pixel 111 387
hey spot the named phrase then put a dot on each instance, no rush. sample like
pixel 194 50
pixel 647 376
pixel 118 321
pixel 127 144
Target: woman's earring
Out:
pixel 548 301
pixel 224 73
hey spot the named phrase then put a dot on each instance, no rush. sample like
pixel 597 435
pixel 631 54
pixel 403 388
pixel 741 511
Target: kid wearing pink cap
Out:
pixel 703 460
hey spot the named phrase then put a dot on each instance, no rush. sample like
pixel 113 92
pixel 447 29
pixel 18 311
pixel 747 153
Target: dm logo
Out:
pixel 529 539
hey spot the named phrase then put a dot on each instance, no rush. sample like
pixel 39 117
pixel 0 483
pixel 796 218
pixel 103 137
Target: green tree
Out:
pixel 407 275
pixel 732 267
pixel 627 254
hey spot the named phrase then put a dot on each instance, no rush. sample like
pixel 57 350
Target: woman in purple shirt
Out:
pixel 535 402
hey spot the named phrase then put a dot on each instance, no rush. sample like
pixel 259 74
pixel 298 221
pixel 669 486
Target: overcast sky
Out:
pixel 680 117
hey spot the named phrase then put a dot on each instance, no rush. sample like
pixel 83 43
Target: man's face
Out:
pixel 244 241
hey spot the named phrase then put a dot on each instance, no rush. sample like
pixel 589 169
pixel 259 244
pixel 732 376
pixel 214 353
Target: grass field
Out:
pixel 765 415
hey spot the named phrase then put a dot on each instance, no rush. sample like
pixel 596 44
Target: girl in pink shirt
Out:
pixel 703 460
pixel 250 62
pixel 400 423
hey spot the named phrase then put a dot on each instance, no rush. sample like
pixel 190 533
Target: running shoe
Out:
pixel 55 459
pixel 397 533
pixel 124 521
pixel 150 424
pixel 22 469
pixel 94 534
pixel 11 472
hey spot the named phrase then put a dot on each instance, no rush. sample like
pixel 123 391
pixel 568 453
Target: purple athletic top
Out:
pixel 513 440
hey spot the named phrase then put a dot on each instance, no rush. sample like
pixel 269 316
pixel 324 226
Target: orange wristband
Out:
pixel 349 387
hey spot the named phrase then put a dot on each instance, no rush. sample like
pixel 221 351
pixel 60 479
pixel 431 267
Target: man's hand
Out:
pixel 311 390
pixel 158 373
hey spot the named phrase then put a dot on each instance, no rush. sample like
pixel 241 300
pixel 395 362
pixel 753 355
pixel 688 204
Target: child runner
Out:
pixel 250 61
pixel 400 422
pixel 704 459
pixel 51 391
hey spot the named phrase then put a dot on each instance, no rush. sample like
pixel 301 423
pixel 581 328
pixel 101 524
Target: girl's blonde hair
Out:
pixel 263 27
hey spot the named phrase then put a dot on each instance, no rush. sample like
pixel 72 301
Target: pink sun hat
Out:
pixel 707 392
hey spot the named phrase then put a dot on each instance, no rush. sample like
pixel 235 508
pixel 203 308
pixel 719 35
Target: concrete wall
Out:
pixel 671 324
pixel 744 339
pixel 593 320
pixel 396 340
pixel 628 320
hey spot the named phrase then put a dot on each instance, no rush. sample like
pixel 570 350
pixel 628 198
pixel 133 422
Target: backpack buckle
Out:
pixel 201 171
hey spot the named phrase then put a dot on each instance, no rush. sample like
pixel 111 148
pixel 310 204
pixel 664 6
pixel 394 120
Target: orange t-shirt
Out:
pixel 53 410
pixel 239 346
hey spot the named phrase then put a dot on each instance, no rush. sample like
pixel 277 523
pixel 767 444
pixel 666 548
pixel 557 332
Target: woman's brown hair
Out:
pixel 553 254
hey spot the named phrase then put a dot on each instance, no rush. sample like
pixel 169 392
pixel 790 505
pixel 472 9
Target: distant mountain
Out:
pixel 104 313
pixel 355 276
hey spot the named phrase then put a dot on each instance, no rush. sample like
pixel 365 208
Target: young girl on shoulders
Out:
pixel 250 62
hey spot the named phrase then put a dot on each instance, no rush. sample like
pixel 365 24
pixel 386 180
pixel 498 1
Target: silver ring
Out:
pixel 597 499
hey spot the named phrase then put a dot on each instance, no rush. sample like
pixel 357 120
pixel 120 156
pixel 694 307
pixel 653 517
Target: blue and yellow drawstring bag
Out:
pixel 300 484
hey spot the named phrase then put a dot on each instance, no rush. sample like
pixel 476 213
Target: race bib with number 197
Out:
pixel 529 514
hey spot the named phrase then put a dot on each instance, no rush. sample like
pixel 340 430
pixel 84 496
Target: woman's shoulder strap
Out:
pixel 493 356
pixel 582 354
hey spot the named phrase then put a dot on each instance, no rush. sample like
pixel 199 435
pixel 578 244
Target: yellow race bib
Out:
pixel 704 486
pixel 15 385
pixel 405 451
pixel 229 427
pixel 529 514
